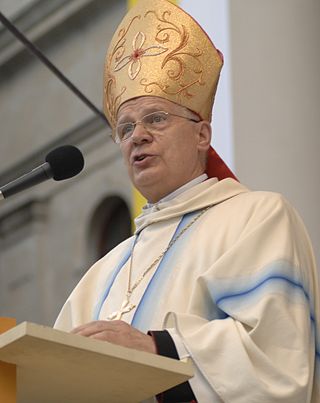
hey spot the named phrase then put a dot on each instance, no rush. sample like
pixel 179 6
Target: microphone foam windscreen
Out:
pixel 65 162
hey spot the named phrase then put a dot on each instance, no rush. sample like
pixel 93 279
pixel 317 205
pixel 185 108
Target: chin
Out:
pixel 146 184
pixel 147 177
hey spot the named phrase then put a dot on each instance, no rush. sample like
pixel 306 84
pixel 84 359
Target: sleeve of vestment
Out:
pixel 166 347
pixel 260 343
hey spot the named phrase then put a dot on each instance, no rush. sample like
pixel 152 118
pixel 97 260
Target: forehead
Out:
pixel 138 106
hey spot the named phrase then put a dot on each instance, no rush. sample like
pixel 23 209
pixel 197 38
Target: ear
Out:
pixel 204 136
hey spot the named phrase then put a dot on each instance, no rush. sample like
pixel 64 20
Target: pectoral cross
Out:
pixel 125 308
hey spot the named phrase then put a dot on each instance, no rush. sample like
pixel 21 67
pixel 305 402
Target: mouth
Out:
pixel 140 158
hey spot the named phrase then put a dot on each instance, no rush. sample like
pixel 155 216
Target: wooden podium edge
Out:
pixel 27 340
pixel 8 373
pixel 183 367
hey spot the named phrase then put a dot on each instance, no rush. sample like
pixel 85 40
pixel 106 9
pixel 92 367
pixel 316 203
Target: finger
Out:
pixel 140 341
pixel 113 337
pixel 94 327
pixel 105 336
pixel 91 328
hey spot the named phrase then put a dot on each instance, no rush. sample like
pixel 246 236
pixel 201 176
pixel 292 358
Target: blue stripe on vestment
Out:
pixel 225 289
pixel 109 283
pixel 150 299
pixel 111 279
pixel 234 294
pixel 270 278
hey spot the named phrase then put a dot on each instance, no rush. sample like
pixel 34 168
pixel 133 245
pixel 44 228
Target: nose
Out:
pixel 140 134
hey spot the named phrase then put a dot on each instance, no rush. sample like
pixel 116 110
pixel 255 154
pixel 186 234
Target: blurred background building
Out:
pixel 267 126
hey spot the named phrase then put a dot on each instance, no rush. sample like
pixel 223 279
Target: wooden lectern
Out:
pixel 57 367
pixel 7 371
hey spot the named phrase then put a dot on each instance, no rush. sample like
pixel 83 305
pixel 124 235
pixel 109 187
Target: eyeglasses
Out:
pixel 153 122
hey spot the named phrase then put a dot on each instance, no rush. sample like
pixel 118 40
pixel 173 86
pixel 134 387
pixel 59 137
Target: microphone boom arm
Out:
pixel 36 176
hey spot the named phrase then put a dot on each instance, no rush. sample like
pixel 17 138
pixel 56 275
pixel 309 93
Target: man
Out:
pixel 214 271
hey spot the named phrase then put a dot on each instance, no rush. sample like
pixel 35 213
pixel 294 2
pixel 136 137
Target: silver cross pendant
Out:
pixel 125 308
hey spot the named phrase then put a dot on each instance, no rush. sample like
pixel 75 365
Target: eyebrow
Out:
pixel 149 109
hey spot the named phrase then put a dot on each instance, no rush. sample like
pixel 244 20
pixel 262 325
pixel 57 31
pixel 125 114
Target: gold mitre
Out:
pixel 160 50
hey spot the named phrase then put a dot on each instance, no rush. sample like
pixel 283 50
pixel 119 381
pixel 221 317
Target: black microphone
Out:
pixel 61 163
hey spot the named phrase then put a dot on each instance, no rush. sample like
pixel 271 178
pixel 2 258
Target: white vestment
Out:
pixel 237 291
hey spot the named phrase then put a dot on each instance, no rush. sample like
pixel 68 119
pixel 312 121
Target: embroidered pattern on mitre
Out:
pixel 159 50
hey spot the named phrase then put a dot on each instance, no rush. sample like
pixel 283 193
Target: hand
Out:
pixel 117 332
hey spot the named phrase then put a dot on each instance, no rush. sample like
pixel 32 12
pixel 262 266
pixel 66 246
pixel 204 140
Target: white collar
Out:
pixel 178 191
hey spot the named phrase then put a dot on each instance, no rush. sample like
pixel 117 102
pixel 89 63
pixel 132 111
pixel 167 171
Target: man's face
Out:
pixel 158 163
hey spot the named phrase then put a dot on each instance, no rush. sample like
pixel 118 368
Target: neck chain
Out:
pixel 127 306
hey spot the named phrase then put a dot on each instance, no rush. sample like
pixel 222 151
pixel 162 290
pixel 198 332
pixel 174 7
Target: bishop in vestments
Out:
pixel 214 271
